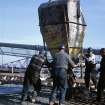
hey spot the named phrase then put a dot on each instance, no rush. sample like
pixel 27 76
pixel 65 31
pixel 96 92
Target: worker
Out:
pixel 90 70
pixel 32 82
pixel 61 61
pixel 101 83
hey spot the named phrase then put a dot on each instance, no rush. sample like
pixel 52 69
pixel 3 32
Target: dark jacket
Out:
pixel 102 67
pixel 34 66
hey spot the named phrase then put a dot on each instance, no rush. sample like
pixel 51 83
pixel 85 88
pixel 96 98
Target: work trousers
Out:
pixel 59 84
pixel 31 86
pixel 90 74
pixel 100 86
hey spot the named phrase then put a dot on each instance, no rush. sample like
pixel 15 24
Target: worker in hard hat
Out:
pixel 90 70
pixel 61 60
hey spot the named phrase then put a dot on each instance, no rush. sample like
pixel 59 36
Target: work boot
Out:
pixel 51 103
pixel 61 104
pixel 24 97
pixel 33 100
pixel 32 96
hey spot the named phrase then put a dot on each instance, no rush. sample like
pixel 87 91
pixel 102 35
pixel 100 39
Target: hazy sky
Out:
pixel 19 22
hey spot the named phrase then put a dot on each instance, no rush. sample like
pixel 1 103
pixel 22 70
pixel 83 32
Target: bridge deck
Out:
pixel 42 99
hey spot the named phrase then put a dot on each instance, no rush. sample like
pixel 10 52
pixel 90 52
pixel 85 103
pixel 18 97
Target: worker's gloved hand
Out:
pixel 77 65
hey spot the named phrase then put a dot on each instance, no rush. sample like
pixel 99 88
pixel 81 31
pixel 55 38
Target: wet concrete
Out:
pixel 43 99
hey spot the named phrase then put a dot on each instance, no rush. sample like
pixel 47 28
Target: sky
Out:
pixel 19 22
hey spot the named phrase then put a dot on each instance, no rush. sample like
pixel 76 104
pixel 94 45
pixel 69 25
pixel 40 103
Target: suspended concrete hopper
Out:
pixel 62 21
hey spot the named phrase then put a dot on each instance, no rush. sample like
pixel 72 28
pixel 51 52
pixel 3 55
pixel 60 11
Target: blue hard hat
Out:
pixel 62 46
pixel 89 50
